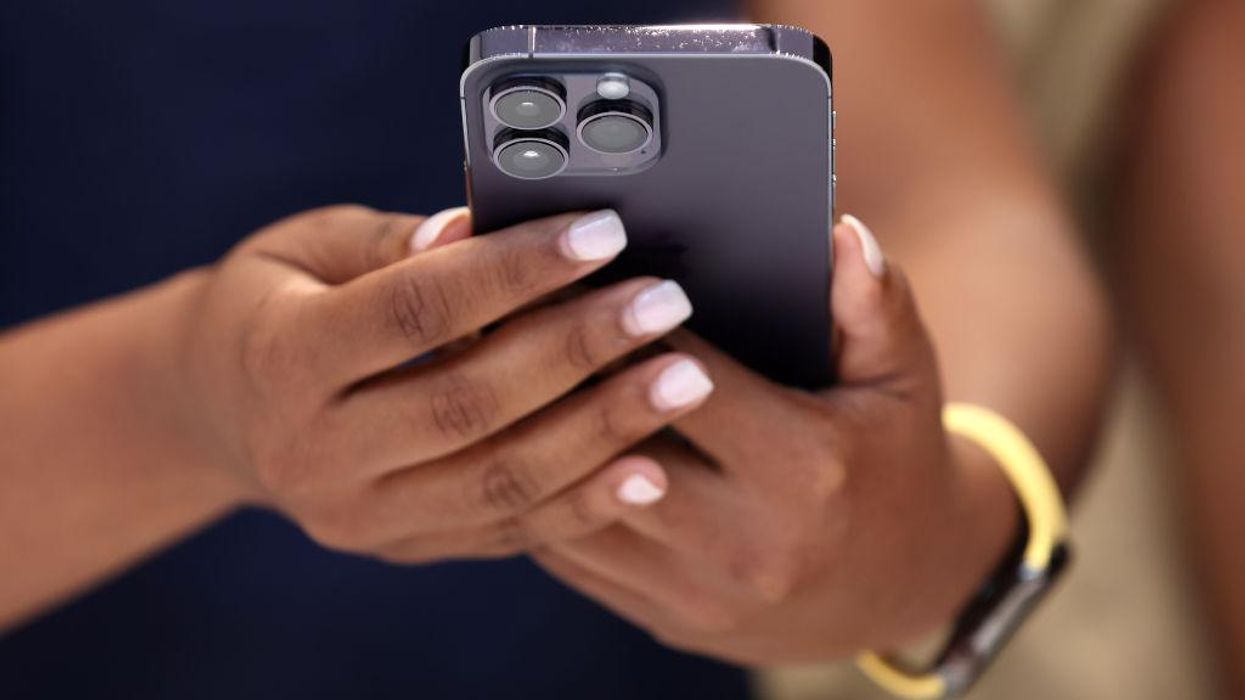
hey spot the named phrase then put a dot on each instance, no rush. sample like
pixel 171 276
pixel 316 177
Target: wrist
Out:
pixel 157 376
pixel 989 517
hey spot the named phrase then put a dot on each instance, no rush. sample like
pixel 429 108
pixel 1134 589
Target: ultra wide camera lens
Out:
pixel 530 156
pixel 615 127
pixel 528 104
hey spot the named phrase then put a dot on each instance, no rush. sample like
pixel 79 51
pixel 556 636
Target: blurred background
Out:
pixel 1125 624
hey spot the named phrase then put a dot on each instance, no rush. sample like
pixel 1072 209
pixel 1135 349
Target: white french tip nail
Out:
pixel 431 230
pixel 874 259
pixel 637 490
pixel 679 385
pixel 657 309
pixel 596 236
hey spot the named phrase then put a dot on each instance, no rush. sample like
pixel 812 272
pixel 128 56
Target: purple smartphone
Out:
pixel 713 142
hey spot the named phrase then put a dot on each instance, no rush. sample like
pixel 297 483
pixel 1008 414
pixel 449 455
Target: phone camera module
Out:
pixel 528 104
pixel 615 127
pixel 530 155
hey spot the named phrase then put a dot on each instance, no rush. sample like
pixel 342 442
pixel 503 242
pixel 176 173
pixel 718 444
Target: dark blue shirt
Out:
pixel 138 138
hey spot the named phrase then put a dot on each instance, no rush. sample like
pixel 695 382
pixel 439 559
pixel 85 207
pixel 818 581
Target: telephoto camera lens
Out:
pixel 615 127
pixel 528 104
pixel 530 155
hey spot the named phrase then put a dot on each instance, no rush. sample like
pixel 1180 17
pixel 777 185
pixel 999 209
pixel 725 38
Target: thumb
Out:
pixel 881 337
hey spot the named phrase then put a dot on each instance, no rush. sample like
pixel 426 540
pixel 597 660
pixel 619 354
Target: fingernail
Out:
pixel 596 236
pixel 638 490
pixel 657 309
pixel 431 230
pixel 681 384
pixel 874 260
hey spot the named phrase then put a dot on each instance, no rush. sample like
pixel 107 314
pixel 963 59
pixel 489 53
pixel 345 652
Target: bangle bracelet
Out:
pixel 988 621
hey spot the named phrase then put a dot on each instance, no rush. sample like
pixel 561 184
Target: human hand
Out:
pixel 296 378
pixel 803 527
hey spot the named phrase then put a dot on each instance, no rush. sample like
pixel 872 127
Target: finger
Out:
pixel 882 339
pixel 630 605
pixel 400 312
pixel 508 476
pixel 628 484
pixel 700 519
pixel 699 512
pixel 738 424
pixel 336 244
pixel 443 228
pixel 674 582
pixel 639 609
pixel 432 410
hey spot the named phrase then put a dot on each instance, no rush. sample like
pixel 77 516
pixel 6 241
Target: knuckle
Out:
pixel 506 485
pixel 380 250
pixel 622 422
pixel 826 480
pixel 512 536
pixel 514 273
pixel 776 582
pixel 419 310
pixel 583 515
pixel 264 354
pixel 463 409
pixel 771 578
pixel 580 348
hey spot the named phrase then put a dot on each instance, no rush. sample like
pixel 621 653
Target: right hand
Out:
pixel 294 378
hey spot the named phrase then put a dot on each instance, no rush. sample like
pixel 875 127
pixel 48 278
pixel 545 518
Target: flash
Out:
pixel 613 86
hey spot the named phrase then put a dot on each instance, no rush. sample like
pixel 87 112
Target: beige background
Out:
pixel 1123 625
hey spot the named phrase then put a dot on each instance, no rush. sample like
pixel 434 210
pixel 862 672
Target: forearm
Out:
pixel 94 469
pixel 1181 255
pixel 934 154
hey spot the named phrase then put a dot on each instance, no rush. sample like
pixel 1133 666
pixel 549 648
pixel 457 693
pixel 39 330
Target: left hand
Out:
pixel 801 527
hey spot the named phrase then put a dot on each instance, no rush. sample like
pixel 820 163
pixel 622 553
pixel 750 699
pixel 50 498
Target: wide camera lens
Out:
pixel 530 156
pixel 528 105
pixel 615 128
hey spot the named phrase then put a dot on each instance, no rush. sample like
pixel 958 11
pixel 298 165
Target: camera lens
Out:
pixel 529 104
pixel 530 156
pixel 615 127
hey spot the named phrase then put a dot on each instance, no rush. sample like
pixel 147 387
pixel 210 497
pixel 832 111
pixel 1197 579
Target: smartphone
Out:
pixel 715 144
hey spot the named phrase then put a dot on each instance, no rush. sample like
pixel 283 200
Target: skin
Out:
pixel 1179 263
pixel 273 379
pixel 796 526
pixel 802 527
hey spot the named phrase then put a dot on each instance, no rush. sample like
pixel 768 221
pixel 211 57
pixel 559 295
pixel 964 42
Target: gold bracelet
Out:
pixel 994 614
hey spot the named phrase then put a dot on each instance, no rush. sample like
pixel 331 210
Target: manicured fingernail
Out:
pixel 596 236
pixel 681 384
pixel 638 490
pixel 434 227
pixel 874 260
pixel 657 309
